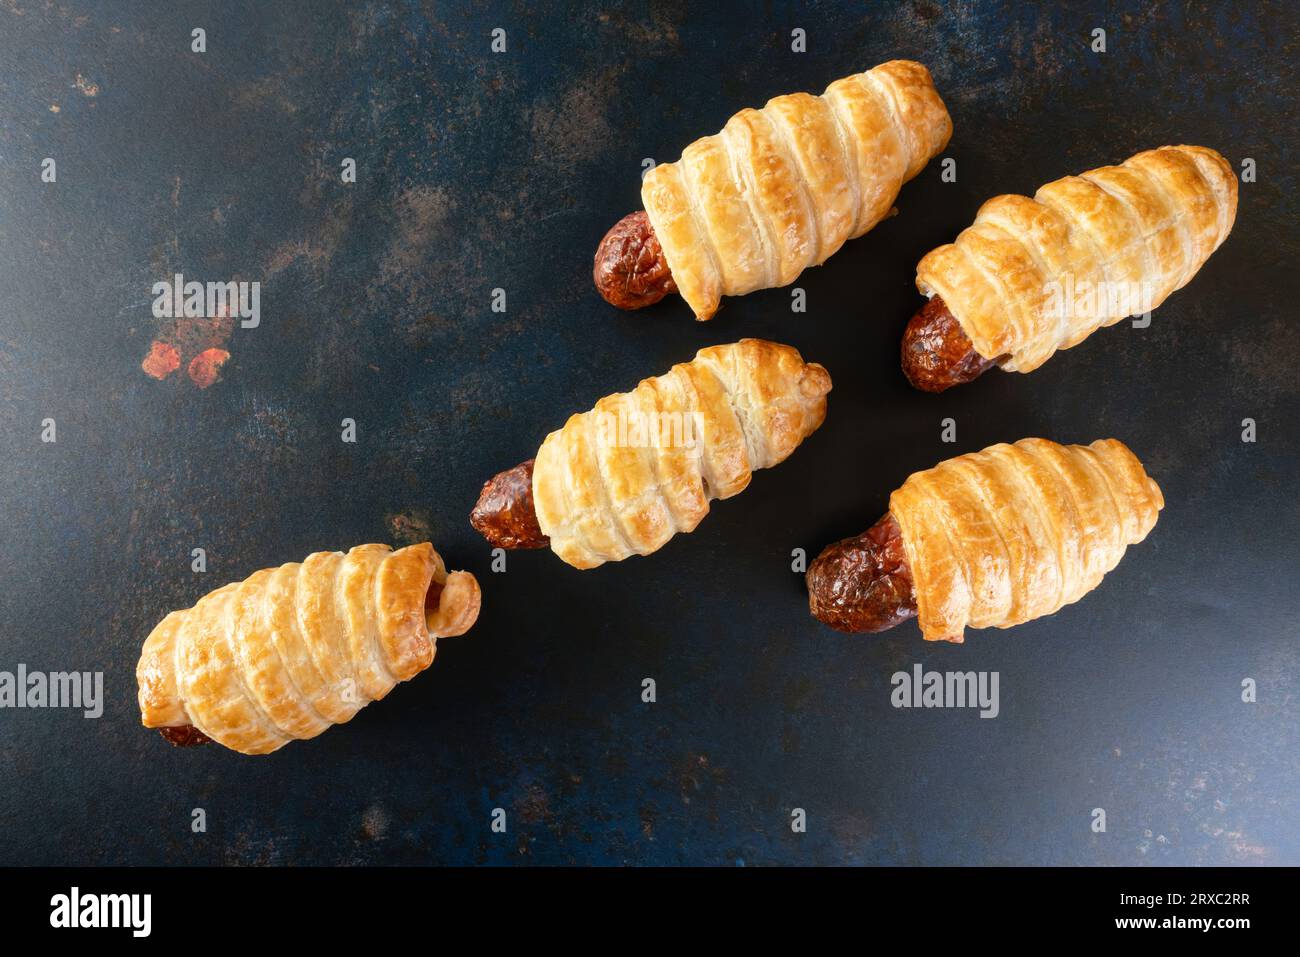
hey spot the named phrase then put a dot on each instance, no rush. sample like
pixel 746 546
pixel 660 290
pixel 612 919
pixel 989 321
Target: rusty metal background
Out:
pixel 479 171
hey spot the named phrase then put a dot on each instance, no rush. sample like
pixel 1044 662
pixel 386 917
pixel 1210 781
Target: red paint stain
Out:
pixel 198 340
pixel 162 360
pixel 205 368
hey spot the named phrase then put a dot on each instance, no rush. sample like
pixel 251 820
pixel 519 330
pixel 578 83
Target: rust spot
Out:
pixel 409 527
pixel 192 336
pixel 535 806
pixel 374 823
pixel 198 341
pixel 162 360
pixel 696 776
pixel 205 368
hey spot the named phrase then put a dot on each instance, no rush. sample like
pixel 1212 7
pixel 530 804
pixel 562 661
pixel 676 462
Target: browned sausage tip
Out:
pixel 863 583
pixel 504 512
pixel 185 736
pixel 630 270
pixel 937 353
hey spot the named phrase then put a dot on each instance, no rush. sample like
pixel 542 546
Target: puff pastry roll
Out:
pixel 642 466
pixel 776 191
pixel 989 540
pixel 1031 276
pixel 290 651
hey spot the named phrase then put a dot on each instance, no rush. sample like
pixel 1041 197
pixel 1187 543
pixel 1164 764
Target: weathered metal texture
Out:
pixel 478 171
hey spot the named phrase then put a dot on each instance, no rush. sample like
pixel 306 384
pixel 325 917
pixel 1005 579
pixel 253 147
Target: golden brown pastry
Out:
pixel 989 540
pixel 1032 276
pixel 778 190
pixel 643 465
pixel 290 651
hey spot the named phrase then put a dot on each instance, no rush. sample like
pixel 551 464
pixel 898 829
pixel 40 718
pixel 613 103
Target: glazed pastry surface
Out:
pixel 290 651
pixel 642 466
pixel 1014 532
pixel 1032 276
pixel 780 189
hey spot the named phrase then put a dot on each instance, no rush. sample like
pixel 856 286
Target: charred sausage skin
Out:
pixel 937 353
pixel 630 270
pixel 504 513
pixel 863 584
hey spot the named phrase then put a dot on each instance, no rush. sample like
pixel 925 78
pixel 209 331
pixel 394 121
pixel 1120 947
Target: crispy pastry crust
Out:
pixel 1015 532
pixel 1018 279
pixel 780 189
pixel 290 651
pixel 603 490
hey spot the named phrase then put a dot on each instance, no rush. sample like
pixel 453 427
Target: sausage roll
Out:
pixel 989 540
pixel 1032 276
pixel 642 466
pixel 778 190
pixel 290 651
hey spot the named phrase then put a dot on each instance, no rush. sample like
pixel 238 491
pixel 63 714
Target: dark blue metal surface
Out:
pixel 479 171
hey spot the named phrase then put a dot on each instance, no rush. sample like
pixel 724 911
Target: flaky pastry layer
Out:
pixel 290 651
pixel 642 466
pixel 780 189
pixel 1032 276
pixel 1015 532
